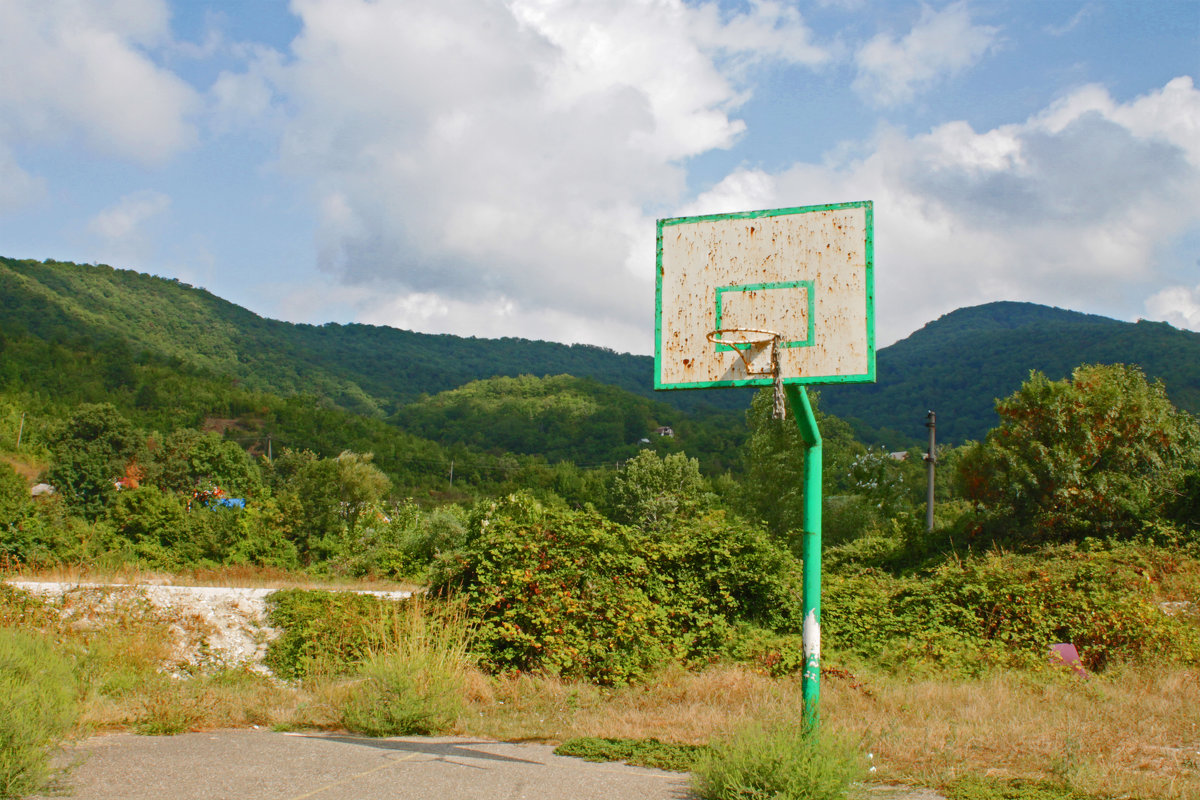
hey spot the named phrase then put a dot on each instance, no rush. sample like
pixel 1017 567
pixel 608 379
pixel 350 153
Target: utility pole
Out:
pixel 930 463
pixel 20 430
pixel 268 448
pixel 452 473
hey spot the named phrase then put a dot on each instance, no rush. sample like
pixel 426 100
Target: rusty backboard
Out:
pixel 805 274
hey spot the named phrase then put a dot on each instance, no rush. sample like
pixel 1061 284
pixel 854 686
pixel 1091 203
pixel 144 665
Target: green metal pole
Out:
pixel 811 553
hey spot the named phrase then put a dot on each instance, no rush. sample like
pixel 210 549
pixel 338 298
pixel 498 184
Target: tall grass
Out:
pixel 415 682
pixel 778 760
pixel 37 710
pixel 1131 731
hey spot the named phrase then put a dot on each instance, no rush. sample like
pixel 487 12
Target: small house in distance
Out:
pixel 665 431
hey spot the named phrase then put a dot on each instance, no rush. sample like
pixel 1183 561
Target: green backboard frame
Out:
pixel 807 272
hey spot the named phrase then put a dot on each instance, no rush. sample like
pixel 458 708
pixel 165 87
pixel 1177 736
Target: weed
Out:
pixel 167 708
pixel 323 632
pixel 777 761
pixel 637 752
pixel 37 710
pixel 976 788
pixel 415 683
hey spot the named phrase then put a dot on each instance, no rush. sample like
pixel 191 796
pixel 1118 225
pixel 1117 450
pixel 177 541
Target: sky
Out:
pixel 495 167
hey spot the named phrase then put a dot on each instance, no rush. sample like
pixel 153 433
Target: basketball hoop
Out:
pixel 743 340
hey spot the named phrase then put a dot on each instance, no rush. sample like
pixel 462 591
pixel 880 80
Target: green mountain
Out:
pixel 364 368
pixel 77 332
pixel 961 363
pixel 168 356
pixel 567 418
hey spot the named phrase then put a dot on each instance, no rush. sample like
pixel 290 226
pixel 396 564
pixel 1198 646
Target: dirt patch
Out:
pixel 26 469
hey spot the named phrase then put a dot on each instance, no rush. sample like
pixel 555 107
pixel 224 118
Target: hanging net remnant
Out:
pixel 747 342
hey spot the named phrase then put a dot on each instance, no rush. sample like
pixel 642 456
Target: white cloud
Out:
pixel 1178 305
pixel 501 156
pixel 124 231
pixel 892 71
pixel 79 69
pixel 125 220
pixel 246 102
pixel 1080 16
pixel 17 187
pixel 1074 207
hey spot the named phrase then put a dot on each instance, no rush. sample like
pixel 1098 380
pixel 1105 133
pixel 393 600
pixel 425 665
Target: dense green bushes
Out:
pixel 572 593
pixel 1006 609
pixel 324 632
pixel 1101 455
pixel 556 590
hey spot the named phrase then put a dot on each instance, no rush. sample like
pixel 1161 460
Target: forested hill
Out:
pixel 957 365
pixel 960 364
pixel 363 368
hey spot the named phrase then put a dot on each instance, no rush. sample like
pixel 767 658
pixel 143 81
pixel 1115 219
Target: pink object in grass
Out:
pixel 1066 653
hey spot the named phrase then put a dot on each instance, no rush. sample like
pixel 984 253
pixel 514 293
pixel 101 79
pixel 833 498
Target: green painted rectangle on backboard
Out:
pixel 725 315
pixel 804 274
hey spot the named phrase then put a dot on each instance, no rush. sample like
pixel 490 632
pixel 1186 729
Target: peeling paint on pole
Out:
pixel 812 639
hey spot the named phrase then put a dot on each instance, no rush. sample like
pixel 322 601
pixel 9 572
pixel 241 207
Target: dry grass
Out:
pixel 233 576
pixel 1129 733
pixel 1133 732
pixel 678 706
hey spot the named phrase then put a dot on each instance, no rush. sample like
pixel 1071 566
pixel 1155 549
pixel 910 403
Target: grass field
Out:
pixel 1129 732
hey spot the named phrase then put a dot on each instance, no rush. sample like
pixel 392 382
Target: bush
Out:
pixel 1098 455
pixel 1007 609
pixel 556 590
pixel 14 497
pixel 415 685
pixel 572 593
pixel 37 709
pixel 324 632
pixel 777 761
pixel 710 572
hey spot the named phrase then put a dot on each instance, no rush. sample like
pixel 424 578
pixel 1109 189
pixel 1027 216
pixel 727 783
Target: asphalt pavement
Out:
pixel 265 765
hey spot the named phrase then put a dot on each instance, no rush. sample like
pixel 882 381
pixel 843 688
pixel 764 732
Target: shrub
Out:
pixel 777 761
pixel 14 497
pixel 712 571
pixel 415 684
pixel 556 590
pixel 323 632
pixel 1004 608
pixel 572 593
pixel 37 709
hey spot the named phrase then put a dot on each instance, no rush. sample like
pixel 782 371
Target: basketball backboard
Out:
pixel 736 292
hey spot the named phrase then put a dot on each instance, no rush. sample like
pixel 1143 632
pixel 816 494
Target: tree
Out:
pixel 773 489
pixel 190 459
pixel 360 485
pixel 333 495
pixel 14 497
pixel 1097 455
pixel 648 491
pixel 90 452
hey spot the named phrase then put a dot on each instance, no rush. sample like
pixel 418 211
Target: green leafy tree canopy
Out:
pixel 1096 455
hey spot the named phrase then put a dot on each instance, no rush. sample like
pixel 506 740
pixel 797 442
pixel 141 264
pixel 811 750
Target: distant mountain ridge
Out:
pixel 364 368
pixel 959 364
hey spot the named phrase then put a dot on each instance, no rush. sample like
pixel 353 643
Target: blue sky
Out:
pixel 495 167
